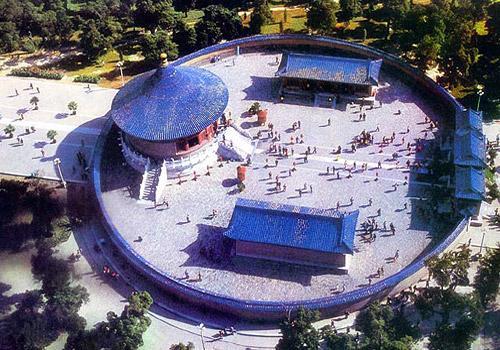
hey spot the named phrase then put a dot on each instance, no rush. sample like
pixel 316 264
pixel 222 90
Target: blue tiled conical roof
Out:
pixel 169 103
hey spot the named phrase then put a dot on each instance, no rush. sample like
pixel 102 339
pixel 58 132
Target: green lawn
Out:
pixel 295 21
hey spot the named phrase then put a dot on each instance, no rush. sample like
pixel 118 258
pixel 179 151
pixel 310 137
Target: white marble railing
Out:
pixel 174 167
pixel 144 181
pixel 133 158
pixel 162 183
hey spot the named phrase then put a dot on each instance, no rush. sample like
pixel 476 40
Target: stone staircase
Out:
pixel 237 144
pixel 149 182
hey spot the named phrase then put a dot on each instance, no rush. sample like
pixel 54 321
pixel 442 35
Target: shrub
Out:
pixel 37 72
pixel 29 45
pixel 73 106
pixel 254 108
pixel 51 135
pixel 92 79
pixel 9 130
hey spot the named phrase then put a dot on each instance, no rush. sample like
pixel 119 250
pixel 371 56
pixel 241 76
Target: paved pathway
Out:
pixel 74 132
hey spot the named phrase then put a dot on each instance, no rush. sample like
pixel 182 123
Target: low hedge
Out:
pixel 37 72
pixel 92 79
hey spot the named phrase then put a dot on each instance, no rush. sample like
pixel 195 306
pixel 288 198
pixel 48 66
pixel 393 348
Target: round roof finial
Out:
pixel 163 57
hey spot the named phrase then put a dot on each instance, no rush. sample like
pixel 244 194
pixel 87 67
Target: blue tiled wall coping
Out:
pixel 273 309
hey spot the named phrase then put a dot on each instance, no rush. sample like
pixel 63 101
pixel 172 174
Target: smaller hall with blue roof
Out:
pixel 328 77
pixel 292 234
pixel 469 158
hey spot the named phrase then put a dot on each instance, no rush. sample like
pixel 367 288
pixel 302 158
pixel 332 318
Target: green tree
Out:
pixel 45 209
pixel 486 70
pixel 28 328
pixel 92 41
pixel 53 272
pixel 261 15
pixel 153 15
pixel 63 306
pixel 338 341
pixel 184 6
pixel 9 130
pixel 321 16
pixel 393 11
pixel 487 279
pixel 384 330
pixel 184 37
pixel 34 101
pixel 73 106
pixel 10 40
pixel 458 54
pixel 122 332
pixel 350 9
pixel 217 23
pixel 299 333
pixel 155 44
pixel 84 340
pixel 181 346
pixel 450 269
pixel 12 196
pixel 458 332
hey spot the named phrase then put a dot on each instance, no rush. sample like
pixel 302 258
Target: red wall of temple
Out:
pixel 175 148
pixel 275 252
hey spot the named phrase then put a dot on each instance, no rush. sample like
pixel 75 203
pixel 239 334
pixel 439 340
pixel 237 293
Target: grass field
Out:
pixel 295 21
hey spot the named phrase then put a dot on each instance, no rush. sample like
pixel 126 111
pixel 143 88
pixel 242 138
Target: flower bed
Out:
pixel 37 72
pixel 92 79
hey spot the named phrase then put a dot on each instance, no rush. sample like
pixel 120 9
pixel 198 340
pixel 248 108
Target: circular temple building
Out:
pixel 170 115
pixel 274 172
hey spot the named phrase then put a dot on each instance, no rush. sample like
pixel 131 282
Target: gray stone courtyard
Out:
pixel 176 246
pixel 75 133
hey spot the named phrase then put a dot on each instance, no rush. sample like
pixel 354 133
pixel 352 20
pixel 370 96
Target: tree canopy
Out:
pixel 299 333
pixel 155 44
pixel 321 16
pixel 218 23
pixel 122 332
pixel 487 280
pixel 261 15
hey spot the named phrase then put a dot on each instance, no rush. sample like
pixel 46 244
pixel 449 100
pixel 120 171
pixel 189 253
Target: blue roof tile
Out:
pixel 330 68
pixel 469 119
pixel 169 103
pixel 469 183
pixel 469 148
pixel 293 226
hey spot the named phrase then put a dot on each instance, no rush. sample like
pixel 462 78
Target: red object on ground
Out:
pixel 242 171
pixel 262 116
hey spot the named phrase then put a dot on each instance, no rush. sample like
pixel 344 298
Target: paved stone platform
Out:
pixel 74 132
pixel 177 246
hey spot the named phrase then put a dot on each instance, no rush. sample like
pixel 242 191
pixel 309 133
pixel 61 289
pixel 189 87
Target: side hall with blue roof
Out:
pixel 295 234
pixel 469 183
pixel 470 148
pixel 469 119
pixel 334 69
